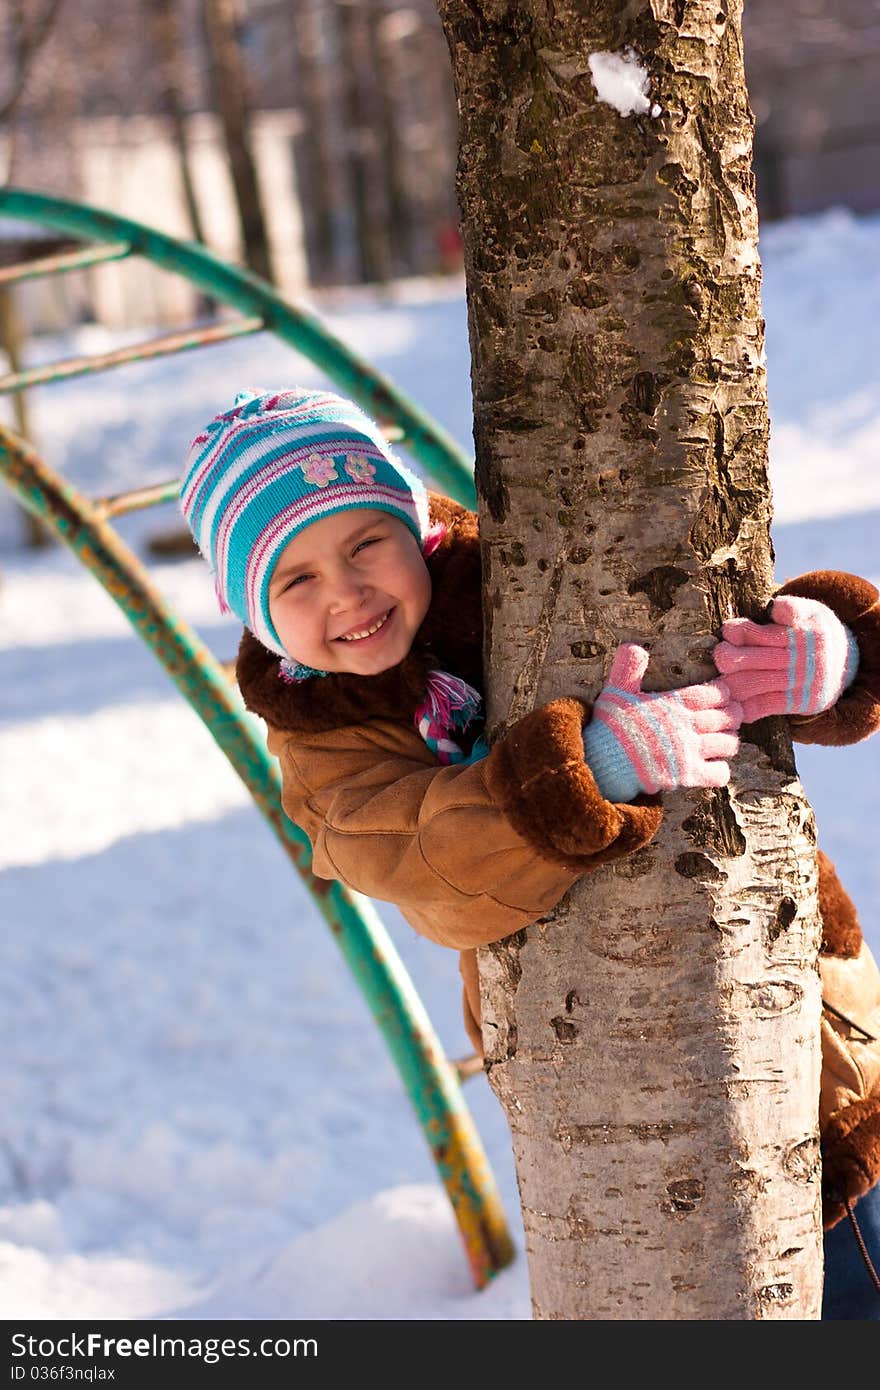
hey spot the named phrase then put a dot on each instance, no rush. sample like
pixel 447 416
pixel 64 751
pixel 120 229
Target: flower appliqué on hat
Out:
pixel 319 471
pixel 358 467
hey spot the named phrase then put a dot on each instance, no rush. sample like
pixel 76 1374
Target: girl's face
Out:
pixel 350 592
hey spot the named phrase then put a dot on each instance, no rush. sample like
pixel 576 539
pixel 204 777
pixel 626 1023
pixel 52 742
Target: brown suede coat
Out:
pixel 472 853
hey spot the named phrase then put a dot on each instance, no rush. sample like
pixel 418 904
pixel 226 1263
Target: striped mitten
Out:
pixel 645 742
pixel 800 663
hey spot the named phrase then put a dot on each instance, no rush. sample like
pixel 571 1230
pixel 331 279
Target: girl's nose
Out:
pixel 349 590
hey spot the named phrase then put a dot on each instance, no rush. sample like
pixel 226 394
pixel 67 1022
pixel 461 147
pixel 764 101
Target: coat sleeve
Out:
pixel 849 1106
pixel 856 715
pixel 849 1101
pixel 469 853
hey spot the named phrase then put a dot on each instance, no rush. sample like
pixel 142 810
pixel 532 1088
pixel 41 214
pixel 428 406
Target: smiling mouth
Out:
pixel 365 632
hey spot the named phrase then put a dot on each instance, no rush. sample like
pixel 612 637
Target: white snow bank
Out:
pixel 76 1286
pixel 142 766
pixel 49 601
pixel 398 1250
pixel 821 294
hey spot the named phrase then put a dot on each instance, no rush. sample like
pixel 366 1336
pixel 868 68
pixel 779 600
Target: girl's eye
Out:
pixel 300 579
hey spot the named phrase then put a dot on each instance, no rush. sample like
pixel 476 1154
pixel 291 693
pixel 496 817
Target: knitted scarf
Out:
pixel 448 707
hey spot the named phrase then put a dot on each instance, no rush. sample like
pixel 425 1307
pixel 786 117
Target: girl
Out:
pixel 361 599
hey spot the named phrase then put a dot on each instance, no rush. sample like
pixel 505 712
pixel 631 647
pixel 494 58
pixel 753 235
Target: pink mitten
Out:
pixel 800 663
pixel 639 741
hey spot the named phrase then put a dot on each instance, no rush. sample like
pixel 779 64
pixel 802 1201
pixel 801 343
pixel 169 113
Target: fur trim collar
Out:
pixel 449 639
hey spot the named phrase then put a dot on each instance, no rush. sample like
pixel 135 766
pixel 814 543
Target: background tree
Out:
pixel 168 40
pixel 230 89
pixel 26 27
pixel 387 79
pixel 358 92
pixel 654 1041
pixel 313 145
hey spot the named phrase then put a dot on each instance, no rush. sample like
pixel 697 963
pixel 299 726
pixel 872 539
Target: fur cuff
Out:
pixel 856 714
pixel 850 1157
pixel 841 929
pixel 538 776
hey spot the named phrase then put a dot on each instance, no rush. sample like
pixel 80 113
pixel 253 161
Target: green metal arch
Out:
pixel 294 324
pixel 430 1079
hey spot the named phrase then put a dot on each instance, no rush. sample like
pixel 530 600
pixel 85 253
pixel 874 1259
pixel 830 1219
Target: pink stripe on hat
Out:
pixel 266 476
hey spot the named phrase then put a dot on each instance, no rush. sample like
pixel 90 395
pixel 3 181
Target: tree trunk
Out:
pixel 314 158
pixel 25 32
pixel 371 230
pixel 440 107
pixel 168 41
pixel 654 1040
pixel 229 85
pixel 12 343
pixel 387 93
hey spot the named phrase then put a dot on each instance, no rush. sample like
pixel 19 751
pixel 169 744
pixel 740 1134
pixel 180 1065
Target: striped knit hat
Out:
pixel 261 472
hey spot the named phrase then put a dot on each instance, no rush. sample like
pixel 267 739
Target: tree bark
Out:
pixel 385 69
pixel 168 42
pixel 655 1039
pixel 314 156
pixel 36 533
pixel 371 225
pixel 229 85
pixel 25 33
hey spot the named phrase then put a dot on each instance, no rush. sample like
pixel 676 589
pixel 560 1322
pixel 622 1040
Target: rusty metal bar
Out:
pixel 137 352
pixel 466 1067
pixel 136 499
pixel 64 261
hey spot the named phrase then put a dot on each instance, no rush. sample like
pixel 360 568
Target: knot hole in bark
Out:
pixel 693 864
pixel 685 1194
pixel 659 585
pixel 565 1030
pixel 785 915
pixel 713 826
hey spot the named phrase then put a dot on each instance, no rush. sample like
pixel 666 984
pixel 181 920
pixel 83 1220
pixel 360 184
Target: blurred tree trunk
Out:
pixel 357 80
pixel 168 43
pixel 229 85
pixel 442 103
pixel 23 33
pixel 25 29
pixel 387 85
pixel 12 342
pixel 655 1040
pixel 314 158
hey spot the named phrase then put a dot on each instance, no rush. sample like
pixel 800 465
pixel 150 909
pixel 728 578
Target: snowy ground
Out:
pixel 199 1116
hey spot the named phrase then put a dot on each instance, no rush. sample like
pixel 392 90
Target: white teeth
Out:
pixel 368 632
